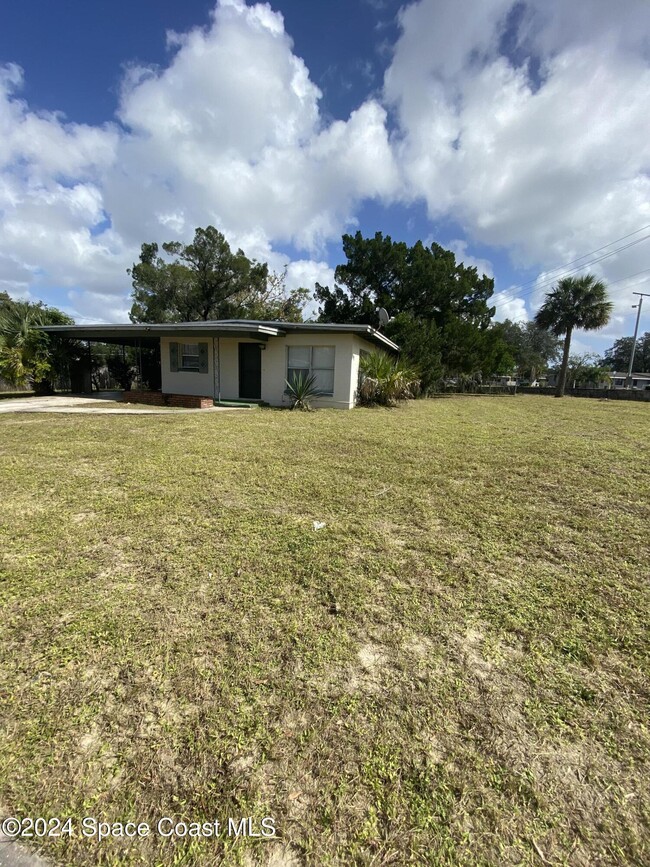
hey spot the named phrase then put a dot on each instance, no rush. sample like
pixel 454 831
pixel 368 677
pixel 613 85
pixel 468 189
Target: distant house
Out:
pixel 639 380
pixel 244 360
pixel 616 380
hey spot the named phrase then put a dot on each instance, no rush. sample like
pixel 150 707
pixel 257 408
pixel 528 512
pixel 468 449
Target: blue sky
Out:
pixel 513 133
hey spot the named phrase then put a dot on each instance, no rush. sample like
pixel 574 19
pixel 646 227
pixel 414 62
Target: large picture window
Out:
pixel 316 361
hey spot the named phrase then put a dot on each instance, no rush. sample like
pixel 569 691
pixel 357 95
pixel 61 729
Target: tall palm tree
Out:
pixel 576 302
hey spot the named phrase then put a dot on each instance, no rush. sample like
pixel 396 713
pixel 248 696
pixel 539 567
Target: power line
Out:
pixel 585 255
pixel 517 293
pixel 551 280
pixel 629 277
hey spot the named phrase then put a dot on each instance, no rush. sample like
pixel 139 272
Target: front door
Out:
pixel 250 371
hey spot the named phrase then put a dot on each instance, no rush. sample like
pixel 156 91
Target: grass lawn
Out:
pixel 454 670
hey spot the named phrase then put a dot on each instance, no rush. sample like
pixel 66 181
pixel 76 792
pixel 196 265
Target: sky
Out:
pixel 513 133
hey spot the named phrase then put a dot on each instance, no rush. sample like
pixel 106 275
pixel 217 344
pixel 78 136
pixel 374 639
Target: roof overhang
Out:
pixel 149 335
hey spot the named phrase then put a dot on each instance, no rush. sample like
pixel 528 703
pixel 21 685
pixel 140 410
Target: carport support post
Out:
pixel 217 369
pixel 140 362
pixel 90 369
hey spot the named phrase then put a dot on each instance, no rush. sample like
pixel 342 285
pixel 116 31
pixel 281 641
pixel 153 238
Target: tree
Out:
pixel 424 281
pixel 274 302
pixel 618 356
pixel 440 307
pixel 576 302
pixel 586 370
pixel 28 355
pixel 420 343
pixel 206 280
pixel 533 348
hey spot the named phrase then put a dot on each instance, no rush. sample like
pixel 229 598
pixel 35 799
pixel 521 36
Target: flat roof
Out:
pixel 146 334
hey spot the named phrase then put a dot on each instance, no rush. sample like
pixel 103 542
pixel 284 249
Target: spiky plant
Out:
pixel 576 302
pixel 302 389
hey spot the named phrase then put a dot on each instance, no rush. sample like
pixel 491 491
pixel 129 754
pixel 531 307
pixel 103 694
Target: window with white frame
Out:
pixel 189 356
pixel 316 361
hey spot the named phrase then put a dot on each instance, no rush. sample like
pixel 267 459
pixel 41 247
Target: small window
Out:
pixel 189 356
pixel 316 361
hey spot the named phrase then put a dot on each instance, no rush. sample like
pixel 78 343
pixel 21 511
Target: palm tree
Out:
pixel 17 342
pixel 576 302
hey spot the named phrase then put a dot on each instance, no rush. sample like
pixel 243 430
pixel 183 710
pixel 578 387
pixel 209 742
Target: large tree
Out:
pixel 206 280
pixel 618 356
pixel 576 302
pixel 434 301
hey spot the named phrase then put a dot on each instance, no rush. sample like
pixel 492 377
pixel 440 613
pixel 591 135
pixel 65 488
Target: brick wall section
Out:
pixel 157 398
pixel 189 401
pixel 609 393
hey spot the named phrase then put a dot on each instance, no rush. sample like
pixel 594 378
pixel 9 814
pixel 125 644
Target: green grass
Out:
pixel 453 671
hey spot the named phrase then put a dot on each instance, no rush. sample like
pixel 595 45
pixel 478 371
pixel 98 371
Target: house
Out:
pixel 639 380
pixel 244 360
pixel 508 380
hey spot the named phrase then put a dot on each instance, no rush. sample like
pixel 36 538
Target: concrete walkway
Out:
pixel 14 854
pixel 106 403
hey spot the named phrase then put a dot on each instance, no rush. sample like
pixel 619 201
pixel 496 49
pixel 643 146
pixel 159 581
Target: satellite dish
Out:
pixel 384 318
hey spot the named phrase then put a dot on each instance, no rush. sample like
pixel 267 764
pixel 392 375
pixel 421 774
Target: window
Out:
pixel 189 356
pixel 316 361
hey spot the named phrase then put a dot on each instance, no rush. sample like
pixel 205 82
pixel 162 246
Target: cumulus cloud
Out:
pixel 509 306
pixel 459 248
pixel 523 122
pixel 207 139
pixel 243 145
pixel 541 148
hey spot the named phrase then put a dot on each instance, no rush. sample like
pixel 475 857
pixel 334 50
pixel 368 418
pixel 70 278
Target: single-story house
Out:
pixel 237 359
pixel 640 381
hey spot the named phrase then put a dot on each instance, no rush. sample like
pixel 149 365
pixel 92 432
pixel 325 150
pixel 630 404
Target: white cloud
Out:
pixel 547 166
pixel 243 145
pixel 542 151
pixel 509 306
pixel 459 248
pixel 208 139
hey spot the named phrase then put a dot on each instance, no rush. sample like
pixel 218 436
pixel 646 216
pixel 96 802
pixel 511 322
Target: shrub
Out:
pixel 121 371
pixel 301 390
pixel 385 380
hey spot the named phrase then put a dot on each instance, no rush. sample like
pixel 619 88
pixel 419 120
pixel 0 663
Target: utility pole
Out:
pixel 636 331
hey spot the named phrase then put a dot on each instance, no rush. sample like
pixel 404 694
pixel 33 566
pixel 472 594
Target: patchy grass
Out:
pixel 453 671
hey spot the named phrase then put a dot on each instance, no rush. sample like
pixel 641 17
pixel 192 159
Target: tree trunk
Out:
pixel 565 363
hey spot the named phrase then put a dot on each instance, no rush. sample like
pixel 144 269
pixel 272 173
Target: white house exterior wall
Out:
pixel 185 381
pixel 347 349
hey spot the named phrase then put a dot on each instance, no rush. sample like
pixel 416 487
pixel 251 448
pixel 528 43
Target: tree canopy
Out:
pixel 205 280
pixel 440 310
pixel 533 349
pixel 617 357
pixel 576 302
pixel 27 355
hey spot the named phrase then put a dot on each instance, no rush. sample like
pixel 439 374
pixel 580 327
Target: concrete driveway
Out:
pixel 106 403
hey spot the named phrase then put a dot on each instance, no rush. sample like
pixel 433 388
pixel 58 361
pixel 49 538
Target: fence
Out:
pixel 601 393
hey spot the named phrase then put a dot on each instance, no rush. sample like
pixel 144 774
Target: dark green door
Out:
pixel 250 371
